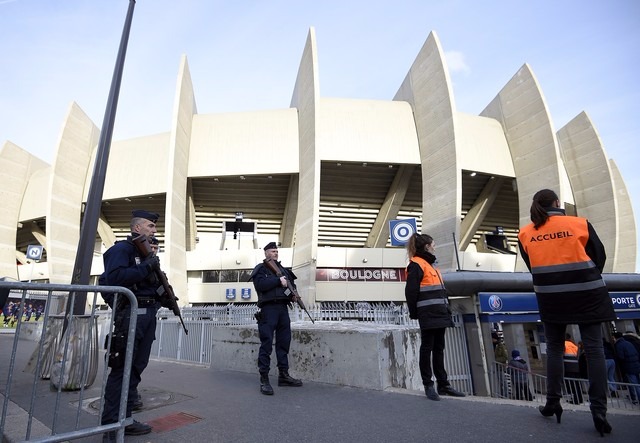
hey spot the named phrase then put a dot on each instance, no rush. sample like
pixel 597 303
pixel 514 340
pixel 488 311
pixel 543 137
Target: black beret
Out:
pixel 141 213
pixel 271 245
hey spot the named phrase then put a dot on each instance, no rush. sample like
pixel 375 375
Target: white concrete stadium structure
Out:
pixel 323 178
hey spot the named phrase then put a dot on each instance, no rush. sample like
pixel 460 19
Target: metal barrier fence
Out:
pixel 54 399
pixel 516 384
pixel 172 344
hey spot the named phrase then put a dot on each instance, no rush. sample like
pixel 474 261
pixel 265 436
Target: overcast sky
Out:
pixel 244 56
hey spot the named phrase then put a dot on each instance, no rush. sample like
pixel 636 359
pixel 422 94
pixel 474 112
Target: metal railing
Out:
pixel 62 366
pixel 516 384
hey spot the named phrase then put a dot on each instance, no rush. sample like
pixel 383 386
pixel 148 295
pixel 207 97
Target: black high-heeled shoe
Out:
pixel 601 424
pixel 550 409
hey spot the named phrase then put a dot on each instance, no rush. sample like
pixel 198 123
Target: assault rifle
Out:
pixel 273 266
pixel 167 296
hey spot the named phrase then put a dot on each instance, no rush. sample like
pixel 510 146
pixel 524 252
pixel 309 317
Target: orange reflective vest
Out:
pixel 568 284
pixel 556 247
pixel 427 302
pixel 570 348
pixel 431 287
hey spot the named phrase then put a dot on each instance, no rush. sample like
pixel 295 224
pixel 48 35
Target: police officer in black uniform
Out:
pixel 274 299
pixel 125 267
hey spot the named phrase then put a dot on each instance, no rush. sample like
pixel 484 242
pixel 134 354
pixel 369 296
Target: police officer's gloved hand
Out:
pixel 152 263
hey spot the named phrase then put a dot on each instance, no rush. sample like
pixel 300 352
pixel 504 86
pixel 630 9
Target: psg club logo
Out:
pixel 495 303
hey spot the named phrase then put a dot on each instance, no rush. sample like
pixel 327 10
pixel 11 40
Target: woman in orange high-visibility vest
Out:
pixel 428 303
pixel 566 258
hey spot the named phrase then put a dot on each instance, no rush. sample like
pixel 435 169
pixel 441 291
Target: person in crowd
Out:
pixel 519 373
pixel 28 313
pixel 15 314
pixel 7 311
pixel 274 300
pixel 501 353
pixel 494 338
pixel 566 259
pixel 629 362
pixel 124 266
pixel 570 348
pixel 610 360
pixel 428 303
pixel 572 370
pixel 632 338
pixel 502 358
pixel 582 362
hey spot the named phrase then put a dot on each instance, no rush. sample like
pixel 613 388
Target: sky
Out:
pixel 244 55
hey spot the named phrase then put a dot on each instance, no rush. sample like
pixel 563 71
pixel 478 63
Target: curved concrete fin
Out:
pixel 427 87
pixel 307 90
pixel 588 170
pixel 306 97
pixel 627 244
pixel 17 166
pixel 522 110
pixel 78 138
pixel 184 108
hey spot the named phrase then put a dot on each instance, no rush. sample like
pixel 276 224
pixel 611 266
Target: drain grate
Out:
pixel 173 421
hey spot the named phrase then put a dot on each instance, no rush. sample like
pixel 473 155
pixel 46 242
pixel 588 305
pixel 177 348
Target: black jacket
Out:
pixel 432 316
pixel 268 286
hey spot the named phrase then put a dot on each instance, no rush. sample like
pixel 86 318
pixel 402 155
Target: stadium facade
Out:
pixel 323 178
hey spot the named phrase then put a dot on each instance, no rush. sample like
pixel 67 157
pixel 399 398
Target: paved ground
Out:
pixel 225 406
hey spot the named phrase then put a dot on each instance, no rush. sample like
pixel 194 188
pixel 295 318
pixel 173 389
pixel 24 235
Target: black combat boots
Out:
pixel 265 386
pixel 284 379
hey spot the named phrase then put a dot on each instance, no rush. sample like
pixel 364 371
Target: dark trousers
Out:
pixel 275 322
pixel 432 348
pixel 596 367
pixel 145 335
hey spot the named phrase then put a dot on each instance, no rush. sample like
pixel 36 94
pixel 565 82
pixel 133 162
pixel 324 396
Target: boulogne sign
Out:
pixel 360 274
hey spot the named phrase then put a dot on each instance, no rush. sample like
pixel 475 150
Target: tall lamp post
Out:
pixel 86 244
pixel 84 257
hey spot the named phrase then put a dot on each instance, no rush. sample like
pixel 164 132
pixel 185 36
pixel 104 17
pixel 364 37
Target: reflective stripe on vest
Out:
pixel 570 287
pixel 565 267
pixel 435 301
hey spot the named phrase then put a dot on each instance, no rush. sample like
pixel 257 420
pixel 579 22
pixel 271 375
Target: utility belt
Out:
pixel 147 301
pixel 276 301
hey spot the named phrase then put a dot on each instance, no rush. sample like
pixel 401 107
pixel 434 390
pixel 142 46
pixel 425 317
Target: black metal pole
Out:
pixel 89 228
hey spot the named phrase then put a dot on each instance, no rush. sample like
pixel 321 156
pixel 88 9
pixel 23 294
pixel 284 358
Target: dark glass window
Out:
pixel 210 276
pixel 228 276
pixel 244 274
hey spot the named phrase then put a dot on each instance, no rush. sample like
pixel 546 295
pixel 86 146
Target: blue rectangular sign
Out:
pixel 522 302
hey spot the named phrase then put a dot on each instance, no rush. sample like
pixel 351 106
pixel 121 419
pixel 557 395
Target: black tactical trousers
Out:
pixel 145 335
pixel 274 322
